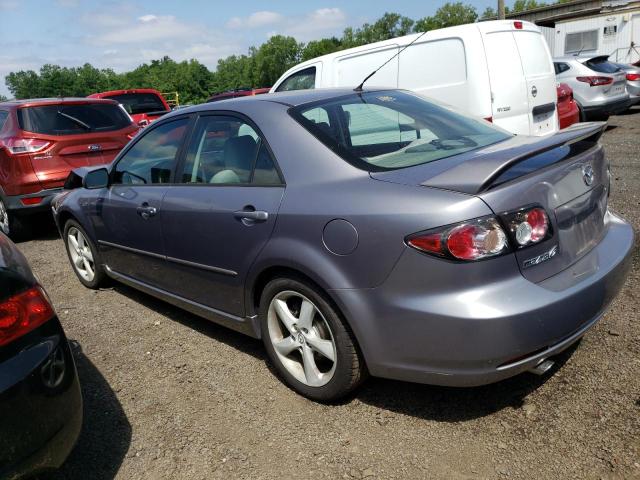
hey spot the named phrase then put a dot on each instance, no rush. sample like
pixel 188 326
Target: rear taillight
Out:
pixel 528 226
pixel 25 145
pixel 596 81
pixel 31 200
pixel 517 25
pixel 632 77
pixel 23 313
pixel 485 237
pixel 469 241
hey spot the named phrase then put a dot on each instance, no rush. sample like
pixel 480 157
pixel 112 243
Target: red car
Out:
pixel 240 92
pixel 143 104
pixel 42 140
pixel 568 112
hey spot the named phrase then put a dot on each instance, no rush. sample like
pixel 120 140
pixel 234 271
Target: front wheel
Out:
pixel 83 256
pixel 310 346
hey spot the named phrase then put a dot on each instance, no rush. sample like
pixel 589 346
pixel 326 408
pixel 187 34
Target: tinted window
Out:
pixel 602 65
pixel 227 150
pixel 581 41
pixel 152 158
pixel 72 119
pixel 135 103
pixel 391 129
pixel 302 80
pixel 560 67
pixel 3 118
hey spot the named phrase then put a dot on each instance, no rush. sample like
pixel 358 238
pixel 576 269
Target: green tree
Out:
pixel 317 48
pixel 522 5
pixel 448 15
pixel 3 98
pixel 488 13
pixel 391 25
pixel 273 58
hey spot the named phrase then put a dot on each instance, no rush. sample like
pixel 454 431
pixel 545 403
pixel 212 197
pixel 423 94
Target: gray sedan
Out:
pixel 359 232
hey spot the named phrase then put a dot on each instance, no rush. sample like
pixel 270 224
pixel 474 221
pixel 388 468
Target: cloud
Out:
pixel 256 20
pixel 329 21
pixel 145 29
pixel 9 4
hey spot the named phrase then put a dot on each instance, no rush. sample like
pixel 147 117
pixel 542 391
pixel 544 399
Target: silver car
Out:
pixel 599 86
pixel 633 81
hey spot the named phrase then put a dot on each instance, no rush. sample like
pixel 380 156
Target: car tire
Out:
pixel 11 224
pixel 83 256
pixel 583 116
pixel 311 347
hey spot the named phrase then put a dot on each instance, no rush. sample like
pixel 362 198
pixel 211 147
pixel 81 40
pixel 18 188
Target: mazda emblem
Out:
pixel 534 91
pixel 587 175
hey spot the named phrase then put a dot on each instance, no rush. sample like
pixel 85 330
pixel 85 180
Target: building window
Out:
pixel 581 41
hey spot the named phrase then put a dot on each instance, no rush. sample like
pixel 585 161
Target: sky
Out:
pixel 122 35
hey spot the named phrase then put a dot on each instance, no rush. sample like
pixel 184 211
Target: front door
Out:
pixel 217 221
pixel 128 219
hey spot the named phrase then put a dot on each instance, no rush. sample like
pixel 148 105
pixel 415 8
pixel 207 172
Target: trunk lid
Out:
pixel 567 174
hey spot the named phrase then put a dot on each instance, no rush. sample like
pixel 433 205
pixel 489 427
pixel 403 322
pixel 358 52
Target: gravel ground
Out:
pixel 168 395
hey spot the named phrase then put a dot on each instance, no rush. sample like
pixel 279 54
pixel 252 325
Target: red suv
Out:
pixel 42 140
pixel 143 104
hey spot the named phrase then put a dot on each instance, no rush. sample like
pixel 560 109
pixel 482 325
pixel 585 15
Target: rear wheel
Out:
pixel 10 224
pixel 83 256
pixel 308 343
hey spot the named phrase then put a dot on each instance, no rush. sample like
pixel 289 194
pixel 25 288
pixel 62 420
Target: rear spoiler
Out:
pixel 489 166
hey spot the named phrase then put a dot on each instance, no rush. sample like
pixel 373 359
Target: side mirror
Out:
pixel 96 179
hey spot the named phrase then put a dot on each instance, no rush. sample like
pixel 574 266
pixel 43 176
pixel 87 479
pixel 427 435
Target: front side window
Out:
pixel 226 150
pixel 302 80
pixel 388 130
pixel 153 157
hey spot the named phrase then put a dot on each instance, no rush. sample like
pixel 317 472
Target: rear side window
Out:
pixel 69 119
pixel 302 80
pixel 135 103
pixel 561 67
pixel 387 130
pixel 3 118
pixel 601 65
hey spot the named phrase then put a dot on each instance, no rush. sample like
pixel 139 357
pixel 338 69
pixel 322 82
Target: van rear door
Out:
pixel 523 85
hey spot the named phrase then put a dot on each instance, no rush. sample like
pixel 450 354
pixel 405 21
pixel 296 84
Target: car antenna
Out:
pixel 359 87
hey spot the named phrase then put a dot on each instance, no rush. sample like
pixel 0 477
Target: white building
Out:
pixel 593 27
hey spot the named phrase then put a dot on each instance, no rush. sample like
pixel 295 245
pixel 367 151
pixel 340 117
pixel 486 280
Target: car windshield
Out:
pixel 387 130
pixel 68 119
pixel 136 103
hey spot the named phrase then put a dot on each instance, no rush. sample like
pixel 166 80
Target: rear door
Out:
pixel 79 135
pixel 128 219
pixel 222 214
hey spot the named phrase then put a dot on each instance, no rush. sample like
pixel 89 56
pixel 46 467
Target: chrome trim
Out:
pixel 132 250
pixel 209 268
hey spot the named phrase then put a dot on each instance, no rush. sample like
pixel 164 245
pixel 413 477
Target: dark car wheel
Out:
pixel 83 256
pixel 10 224
pixel 307 342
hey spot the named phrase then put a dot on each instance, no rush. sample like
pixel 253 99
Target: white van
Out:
pixel 501 71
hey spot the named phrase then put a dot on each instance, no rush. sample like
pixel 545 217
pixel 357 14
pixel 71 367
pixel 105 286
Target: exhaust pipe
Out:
pixel 543 367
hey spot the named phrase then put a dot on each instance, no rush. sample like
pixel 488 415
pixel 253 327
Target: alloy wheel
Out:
pixel 81 255
pixel 4 219
pixel 302 338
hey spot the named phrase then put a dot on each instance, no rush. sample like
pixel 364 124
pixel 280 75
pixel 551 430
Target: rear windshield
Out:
pixel 602 65
pixel 72 119
pixel 388 130
pixel 135 103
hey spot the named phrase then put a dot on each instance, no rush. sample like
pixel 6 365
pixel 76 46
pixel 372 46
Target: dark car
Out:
pixel 360 232
pixel 40 400
pixel 42 140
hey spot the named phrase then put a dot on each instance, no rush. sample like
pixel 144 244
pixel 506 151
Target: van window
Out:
pixel 446 65
pixel 352 70
pixel 533 53
pixel 581 41
pixel 302 80
pixel 387 130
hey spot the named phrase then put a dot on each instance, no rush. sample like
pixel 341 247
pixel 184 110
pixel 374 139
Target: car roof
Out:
pixel 32 102
pixel 124 92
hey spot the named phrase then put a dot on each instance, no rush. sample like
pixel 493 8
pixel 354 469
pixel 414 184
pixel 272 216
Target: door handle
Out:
pixel 253 215
pixel 146 211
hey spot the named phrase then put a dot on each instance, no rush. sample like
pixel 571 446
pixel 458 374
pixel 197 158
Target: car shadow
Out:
pixel 234 339
pixel 449 404
pixel 106 431
pixel 40 227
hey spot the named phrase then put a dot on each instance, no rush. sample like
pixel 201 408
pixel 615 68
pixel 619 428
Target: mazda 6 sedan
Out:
pixel 359 232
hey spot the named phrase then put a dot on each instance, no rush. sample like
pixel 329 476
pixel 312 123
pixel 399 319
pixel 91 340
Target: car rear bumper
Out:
pixel 16 203
pixel 40 418
pixel 482 332
pixel 609 107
